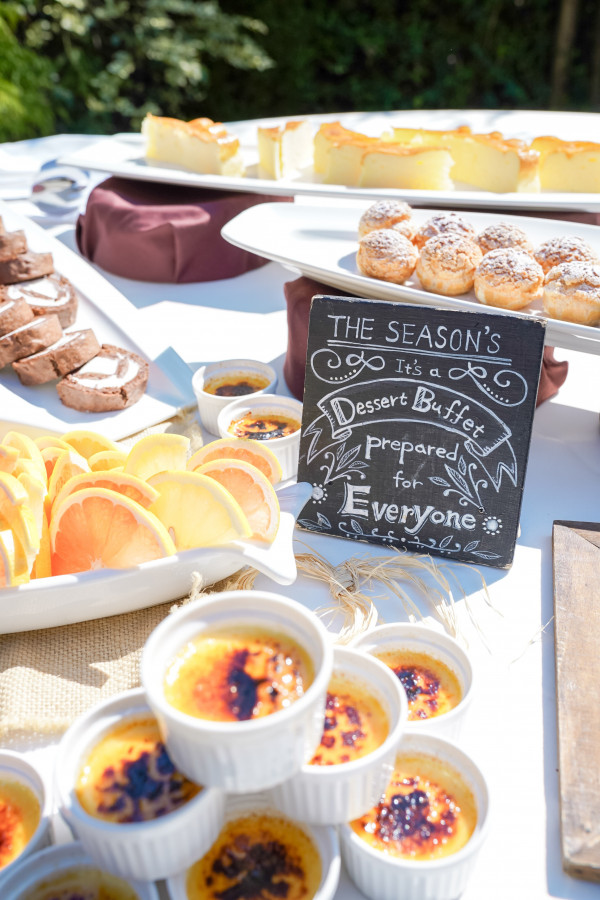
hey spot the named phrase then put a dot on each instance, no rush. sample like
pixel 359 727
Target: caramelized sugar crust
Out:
pixel 129 776
pixel 81 883
pixel 235 384
pixel 355 723
pixel 20 815
pixel 427 811
pixel 257 857
pixel 432 688
pixel 233 676
pixel 263 426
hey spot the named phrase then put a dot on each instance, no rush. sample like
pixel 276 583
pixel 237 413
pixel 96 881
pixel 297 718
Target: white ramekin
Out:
pixel 330 795
pixel 144 850
pixel 383 877
pixel 14 767
pixel 32 871
pixel 210 405
pixel 286 449
pixel 324 838
pixel 250 755
pixel 428 641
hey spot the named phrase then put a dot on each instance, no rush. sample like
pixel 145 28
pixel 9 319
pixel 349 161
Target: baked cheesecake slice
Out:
pixel 200 145
pixel 285 149
pixel 338 153
pixel 568 165
pixel 401 166
pixel 487 161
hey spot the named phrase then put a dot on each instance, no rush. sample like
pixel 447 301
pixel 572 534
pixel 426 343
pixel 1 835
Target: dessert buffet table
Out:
pixel 511 727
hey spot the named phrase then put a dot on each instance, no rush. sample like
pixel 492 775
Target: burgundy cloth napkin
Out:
pixel 298 295
pixel 165 233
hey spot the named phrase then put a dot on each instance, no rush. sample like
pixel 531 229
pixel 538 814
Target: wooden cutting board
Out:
pixel 576 555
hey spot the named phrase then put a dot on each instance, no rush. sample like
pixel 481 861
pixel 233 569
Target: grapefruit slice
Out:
pixel 128 485
pixel 252 452
pixel 106 459
pixel 68 464
pixel 86 443
pixel 252 490
pixel 98 528
pixel 197 511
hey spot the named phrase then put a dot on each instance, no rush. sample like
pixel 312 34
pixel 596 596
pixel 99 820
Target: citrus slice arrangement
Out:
pixel 79 502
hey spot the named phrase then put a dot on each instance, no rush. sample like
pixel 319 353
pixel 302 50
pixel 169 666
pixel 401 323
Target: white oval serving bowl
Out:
pixel 15 768
pixel 34 871
pixel 324 838
pixel 330 795
pixel 383 877
pixel 249 755
pixel 428 642
pixel 149 850
pixel 65 599
pixel 287 448
pixel 210 405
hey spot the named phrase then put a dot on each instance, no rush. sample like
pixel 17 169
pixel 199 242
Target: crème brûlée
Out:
pixel 238 674
pixel 568 165
pixel 257 857
pixel 283 150
pixel 427 812
pixel 487 161
pixel 431 687
pixel 20 815
pixel 200 145
pixel 129 777
pixel 355 723
pixel 81 883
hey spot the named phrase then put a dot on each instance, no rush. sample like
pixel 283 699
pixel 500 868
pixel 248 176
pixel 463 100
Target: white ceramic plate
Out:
pixel 123 155
pixel 114 321
pixel 64 599
pixel 321 242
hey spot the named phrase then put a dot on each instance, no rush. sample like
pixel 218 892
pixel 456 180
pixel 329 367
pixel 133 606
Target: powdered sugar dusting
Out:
pixel 383 214
pixel 510 265
pixel 450 252
pixel 444 224
pixel 503 234
pixel 386 244
pixel 575 275
pixel 563 249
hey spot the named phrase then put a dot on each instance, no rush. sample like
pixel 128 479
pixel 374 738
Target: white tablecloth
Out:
pixel 511 731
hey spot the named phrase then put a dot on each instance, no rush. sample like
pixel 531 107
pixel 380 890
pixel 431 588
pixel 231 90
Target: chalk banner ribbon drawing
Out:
pixel 416 425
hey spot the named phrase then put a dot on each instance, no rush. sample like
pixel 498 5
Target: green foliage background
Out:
pixel 100 65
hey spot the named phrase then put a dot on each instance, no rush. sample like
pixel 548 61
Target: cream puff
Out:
pixel 503 234
pixel 564 249
pixel 572 293
pixel 383 214
pixel 508 278
pixel 444 223
pixel 386 255
pixel 447 264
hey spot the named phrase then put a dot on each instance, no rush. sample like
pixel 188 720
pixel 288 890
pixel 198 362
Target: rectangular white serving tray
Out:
pixel 123 155
pixel 320 241
pixel 115 321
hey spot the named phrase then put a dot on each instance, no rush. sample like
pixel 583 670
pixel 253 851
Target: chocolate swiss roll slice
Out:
pixel 13 314
pixel 67 354
pixel 35 335
pixel 50 295
pixel 26 266
pixel 112 380
pixel 12 244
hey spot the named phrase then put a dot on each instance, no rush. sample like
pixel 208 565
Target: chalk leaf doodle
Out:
pixel 416 425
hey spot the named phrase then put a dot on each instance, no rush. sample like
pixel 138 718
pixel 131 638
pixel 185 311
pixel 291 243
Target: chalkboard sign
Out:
pixel 416 425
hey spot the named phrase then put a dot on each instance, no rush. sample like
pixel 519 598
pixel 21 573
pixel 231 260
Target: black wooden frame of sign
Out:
pixel 416 425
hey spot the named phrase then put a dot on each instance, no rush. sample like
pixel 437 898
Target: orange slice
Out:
pixel 7 557
pixel 157 453
pixel 252 452
pixel 252 490
pixel 42 567
pixel 86 443
pixel 16 515
pixel 68 464
pixel 106 459
pixel 99 529
pixel 197 511
pixel 128 485
pixel 36 494
pixel 50 455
